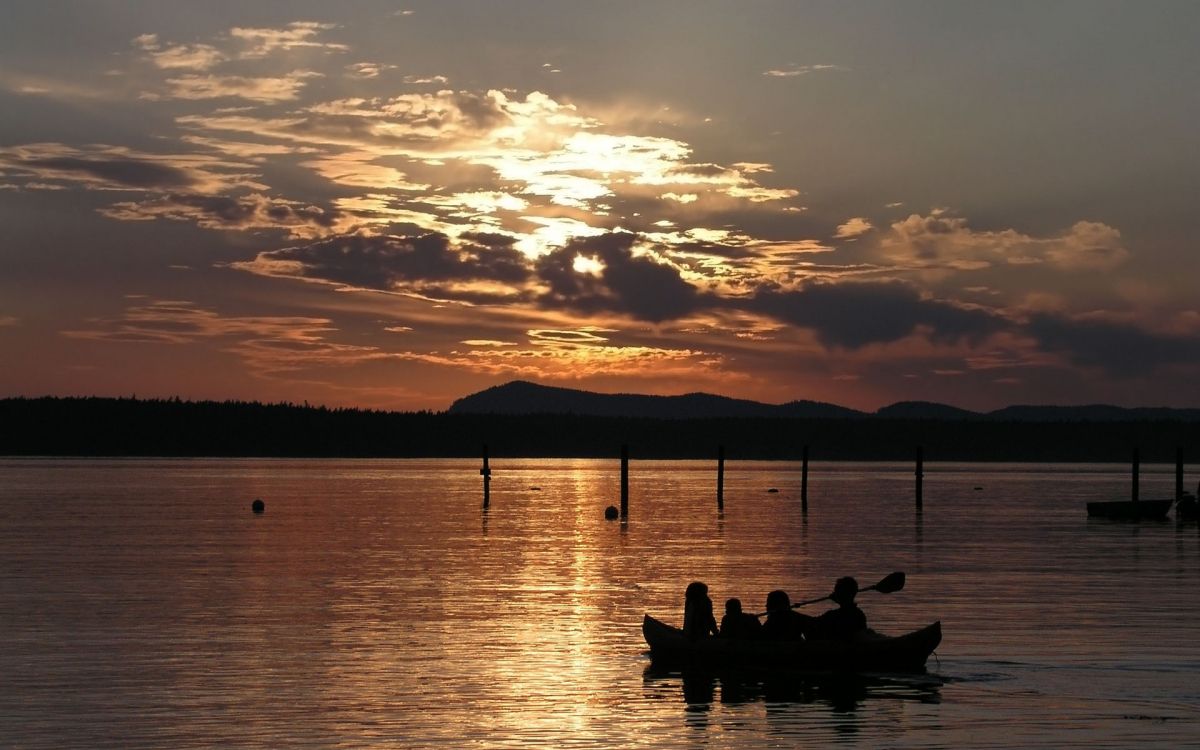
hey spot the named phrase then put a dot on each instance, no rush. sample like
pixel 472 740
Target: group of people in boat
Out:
pixel 782 623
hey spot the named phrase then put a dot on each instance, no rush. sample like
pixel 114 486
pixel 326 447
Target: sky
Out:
pixel 392 205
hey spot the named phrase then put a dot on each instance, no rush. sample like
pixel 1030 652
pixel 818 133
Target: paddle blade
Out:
pixel 891 583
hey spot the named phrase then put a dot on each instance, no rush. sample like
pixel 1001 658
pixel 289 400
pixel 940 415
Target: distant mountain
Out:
pixel 522 397
pixel 924 410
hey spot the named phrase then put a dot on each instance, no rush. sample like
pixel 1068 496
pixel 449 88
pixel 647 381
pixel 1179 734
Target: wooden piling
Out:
pixel 720 478
pixel 486 472
pixel 920 475
pixel 804 481
pixel 624 482
pixel 1133 490
pixel 1178 473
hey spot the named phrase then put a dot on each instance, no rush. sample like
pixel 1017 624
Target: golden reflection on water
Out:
pixel 375 603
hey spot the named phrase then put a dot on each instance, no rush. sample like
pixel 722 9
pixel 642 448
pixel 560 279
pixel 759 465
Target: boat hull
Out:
pixel 1187 509
pixel 870 653
pixel 1130 510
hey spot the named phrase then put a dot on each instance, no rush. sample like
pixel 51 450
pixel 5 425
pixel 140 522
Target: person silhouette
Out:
pixel 739 624
pixel 698 619
pixel 784 623
pixel 844 622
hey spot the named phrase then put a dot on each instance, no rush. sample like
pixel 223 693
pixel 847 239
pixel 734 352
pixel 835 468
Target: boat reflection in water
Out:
pixel 701 688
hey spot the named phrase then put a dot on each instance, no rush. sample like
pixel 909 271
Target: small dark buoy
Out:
pixel 535 489
pixel 258 506
pixel 772 490
pixel 611 513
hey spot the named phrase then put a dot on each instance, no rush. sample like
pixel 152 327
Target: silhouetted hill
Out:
pixel 924 410
pixel 523 397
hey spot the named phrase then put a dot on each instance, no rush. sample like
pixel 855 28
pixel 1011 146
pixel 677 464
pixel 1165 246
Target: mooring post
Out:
pixel 624 482
pixel 486 472
pixel 920 475
pixel 804 481
pixel 720 478
pixel 1178 473
pixel 1133 492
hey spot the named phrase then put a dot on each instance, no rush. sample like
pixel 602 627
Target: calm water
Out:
pixel 374 604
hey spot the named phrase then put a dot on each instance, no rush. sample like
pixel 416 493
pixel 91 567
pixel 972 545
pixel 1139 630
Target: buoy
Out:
pixel 258 506
pixel 772 490
pixel 611 513
pixel 535 489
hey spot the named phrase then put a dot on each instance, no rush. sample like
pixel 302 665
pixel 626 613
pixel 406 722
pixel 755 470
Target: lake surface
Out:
pixel 374 604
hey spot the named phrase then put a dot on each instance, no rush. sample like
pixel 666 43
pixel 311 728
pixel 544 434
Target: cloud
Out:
pixel 629 284
pixel 358 169
pixel 172 56
pixel 584 335
pixel 418 80
pixel 1118 348
pixel 476 204
pixel 243 213
pixel 792 70
pixel 271 345
pixel 546 147
pixel 104 167
pixel 367 69
pixel 853 228
pixel 940 240
pixel 132 173
pixel 249 43
pixel 287 347
pixel 566 360
pixel 255 152
pixel 410 264
pixel 174 322
pixel 265 90
pixel 757 194
pixel 296 35
pixel 852 315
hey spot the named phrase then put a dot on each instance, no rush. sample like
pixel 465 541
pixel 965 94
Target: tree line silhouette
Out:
pixel 173 427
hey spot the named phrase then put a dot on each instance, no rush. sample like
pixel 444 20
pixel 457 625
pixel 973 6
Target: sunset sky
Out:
pixel 392 205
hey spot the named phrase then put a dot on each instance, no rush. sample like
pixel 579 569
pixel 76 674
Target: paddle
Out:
pixel 889 584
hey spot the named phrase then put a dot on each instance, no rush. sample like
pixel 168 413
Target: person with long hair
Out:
pixel 698 619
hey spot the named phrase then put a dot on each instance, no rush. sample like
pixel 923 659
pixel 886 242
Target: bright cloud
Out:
pixel 189 56
pixel 266 90
pixel 260 42
pixel 367 69
pixel 940 240
pixel 853 228
pixel 792 70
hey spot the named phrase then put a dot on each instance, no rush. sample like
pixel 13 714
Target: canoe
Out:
pixel 870 652
pixel 1130 510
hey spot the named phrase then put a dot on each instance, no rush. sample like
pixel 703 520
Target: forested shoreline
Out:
pixel 172 427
